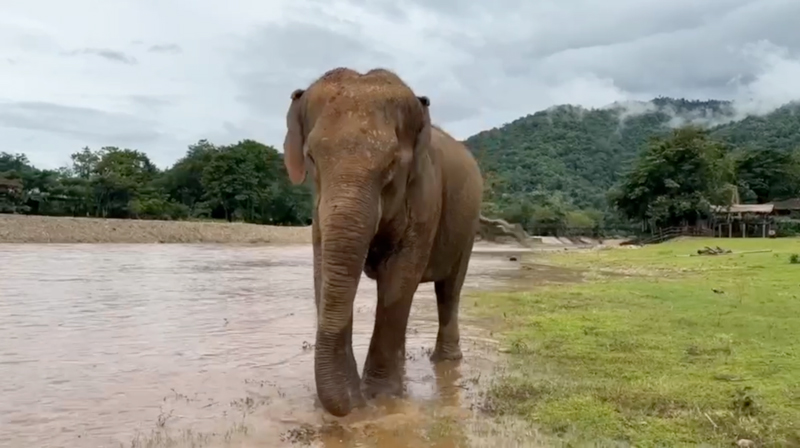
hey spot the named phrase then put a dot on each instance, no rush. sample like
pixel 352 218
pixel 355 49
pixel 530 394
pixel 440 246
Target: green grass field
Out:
pixel 658 348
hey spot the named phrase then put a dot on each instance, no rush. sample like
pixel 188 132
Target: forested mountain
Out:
pixel 576 154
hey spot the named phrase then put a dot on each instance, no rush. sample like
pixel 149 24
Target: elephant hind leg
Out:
pixel 448 296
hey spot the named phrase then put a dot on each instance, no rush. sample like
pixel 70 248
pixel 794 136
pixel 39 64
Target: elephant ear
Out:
pixel 293 156
pixel 423 140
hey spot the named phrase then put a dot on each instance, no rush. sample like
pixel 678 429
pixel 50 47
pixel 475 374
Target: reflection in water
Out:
pixel 99 343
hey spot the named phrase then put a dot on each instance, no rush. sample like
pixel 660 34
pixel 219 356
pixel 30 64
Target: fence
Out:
pixel 591 232
pixel 668 233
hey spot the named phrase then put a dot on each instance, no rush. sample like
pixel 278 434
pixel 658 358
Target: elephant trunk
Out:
pixel 348 214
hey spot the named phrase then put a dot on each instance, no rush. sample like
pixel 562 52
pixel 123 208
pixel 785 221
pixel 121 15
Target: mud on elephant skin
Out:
pixel 396 198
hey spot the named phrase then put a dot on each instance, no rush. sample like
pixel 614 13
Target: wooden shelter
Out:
pixel 787 207
pixel 742 220
pixel 10 186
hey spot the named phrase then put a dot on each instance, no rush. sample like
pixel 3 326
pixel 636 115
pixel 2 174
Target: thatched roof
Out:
pixel 744 208
pixel 788 204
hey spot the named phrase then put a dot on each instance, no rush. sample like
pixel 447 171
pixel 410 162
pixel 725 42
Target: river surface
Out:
pixel 209 345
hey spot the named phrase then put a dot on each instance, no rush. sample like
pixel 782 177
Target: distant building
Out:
pixel 753 220
pixel 788 207
pixel 10 186
pixel 743 220
pixel 10 194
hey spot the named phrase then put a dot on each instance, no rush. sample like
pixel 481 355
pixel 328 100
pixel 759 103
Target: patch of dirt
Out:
pixel 65 230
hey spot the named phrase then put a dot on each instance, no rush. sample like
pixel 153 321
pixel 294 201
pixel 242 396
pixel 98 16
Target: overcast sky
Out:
pixel 158 75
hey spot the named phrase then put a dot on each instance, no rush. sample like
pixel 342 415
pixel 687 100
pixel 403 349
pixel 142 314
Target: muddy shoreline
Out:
pixel 70 230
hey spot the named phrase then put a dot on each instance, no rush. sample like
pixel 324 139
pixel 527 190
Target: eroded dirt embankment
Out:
pixel 49 229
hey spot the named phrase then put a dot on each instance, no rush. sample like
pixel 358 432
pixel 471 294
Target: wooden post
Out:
pixel 744 229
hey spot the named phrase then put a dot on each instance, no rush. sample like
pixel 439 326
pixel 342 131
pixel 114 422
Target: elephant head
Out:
pixel 361 138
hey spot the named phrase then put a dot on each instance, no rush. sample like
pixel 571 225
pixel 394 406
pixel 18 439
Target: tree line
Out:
pixel 673 181
pixel 239 182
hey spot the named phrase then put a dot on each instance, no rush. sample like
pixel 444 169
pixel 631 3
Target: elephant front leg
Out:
pixel 353 380
pixel 448 297
pixel 397 281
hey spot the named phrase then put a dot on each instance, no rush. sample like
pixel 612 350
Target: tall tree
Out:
pixel 768 174
pixel 676 179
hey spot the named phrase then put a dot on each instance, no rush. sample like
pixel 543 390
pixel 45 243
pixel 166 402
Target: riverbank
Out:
pixel 654 347
pixel 69 230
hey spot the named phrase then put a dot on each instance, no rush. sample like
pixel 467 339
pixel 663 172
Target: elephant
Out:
pixel 395 197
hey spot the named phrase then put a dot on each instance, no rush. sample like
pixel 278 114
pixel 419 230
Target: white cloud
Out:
pixel 776 81
pixel 158 76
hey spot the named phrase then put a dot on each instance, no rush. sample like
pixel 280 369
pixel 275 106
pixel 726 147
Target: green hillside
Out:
pixel 575 154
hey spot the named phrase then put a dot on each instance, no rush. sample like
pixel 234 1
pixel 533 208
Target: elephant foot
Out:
pixel 354 388
pixel 384 375
pixel 356 395
pixel 447 353
pixel 374 387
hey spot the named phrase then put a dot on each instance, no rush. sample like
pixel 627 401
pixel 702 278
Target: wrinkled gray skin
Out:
pixel 396 198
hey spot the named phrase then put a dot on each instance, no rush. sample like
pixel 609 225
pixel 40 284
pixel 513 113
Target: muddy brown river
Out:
pixel 210 345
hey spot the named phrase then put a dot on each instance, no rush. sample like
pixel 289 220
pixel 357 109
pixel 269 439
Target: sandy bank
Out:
pixel 47 229
pixel 50 229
